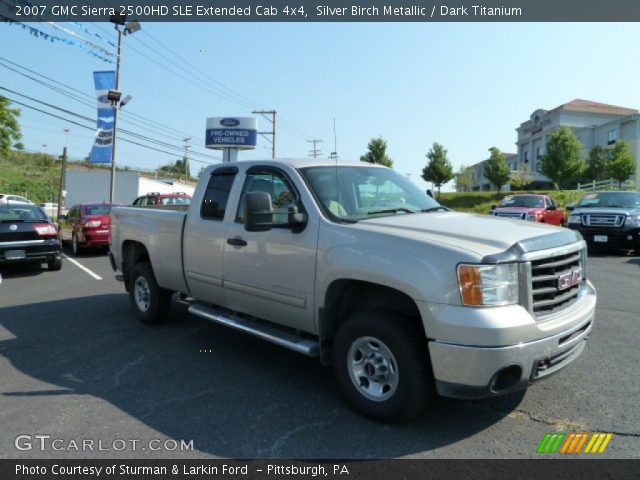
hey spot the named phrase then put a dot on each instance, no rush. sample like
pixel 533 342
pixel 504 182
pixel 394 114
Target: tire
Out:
pixel 75 246
pixel 150 302
pixel 393 398
pixel 55 264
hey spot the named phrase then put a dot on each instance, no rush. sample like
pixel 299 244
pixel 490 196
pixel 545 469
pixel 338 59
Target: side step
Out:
pixel 265 332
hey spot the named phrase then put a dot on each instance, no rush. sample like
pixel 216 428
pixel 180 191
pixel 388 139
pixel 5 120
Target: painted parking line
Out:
pixel 82 267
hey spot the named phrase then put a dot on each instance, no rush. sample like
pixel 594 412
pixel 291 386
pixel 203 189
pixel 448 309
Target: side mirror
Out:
pixel 570 207
pixel 493 207
pixel 297 220
pixel 551 207
pixel 258 212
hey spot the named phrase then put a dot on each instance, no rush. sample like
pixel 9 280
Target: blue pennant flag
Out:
pixel 103 147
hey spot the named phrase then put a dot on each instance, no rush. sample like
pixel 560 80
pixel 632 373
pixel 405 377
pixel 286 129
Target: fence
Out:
pixel 610 184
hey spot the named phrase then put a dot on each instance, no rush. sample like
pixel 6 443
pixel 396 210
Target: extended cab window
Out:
pixel 283 195
pixel 215 198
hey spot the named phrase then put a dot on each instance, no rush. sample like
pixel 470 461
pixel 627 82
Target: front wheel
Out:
pixel 55 263
pixel 382 365
pixel 150 301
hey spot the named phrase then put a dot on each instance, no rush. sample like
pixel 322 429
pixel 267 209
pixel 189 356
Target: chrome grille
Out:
pixel 546 296
pixel 602 220
pixel 511 215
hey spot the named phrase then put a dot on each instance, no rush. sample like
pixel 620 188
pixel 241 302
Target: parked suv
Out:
pixel 608 219
pixel 156 198
pixel 536 208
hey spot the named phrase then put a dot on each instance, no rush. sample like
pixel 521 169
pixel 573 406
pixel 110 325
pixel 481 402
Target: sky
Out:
pixel 466 86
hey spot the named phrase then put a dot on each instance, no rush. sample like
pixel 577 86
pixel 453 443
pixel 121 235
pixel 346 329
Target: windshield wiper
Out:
pixel 434 209
pixel 17 220
pixel 391 210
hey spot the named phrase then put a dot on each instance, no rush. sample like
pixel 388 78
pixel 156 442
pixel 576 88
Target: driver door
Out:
pixel 271 275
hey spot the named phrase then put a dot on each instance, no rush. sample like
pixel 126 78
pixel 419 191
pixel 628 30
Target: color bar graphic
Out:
pixel 573 443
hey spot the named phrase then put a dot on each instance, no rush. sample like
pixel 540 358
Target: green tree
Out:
pixel 9 126
pixel 464 178
pixel 522 178
pixel 496 169
pixel 377 153
pixel 19 146
pixel 176 169
pixel 563 163
pixel 621 164
pixel 439 169
pixel 597 164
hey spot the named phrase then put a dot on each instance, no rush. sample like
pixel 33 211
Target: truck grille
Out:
pixel 600 220
pixel 549 292
pixel 511 215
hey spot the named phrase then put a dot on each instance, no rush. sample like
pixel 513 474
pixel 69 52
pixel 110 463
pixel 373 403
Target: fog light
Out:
pixel 506 378
pixel 629 237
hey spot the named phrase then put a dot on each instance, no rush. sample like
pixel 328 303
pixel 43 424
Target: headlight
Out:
pixel 574 219
pixel 488 285
pixel 531 217
pixel 632 220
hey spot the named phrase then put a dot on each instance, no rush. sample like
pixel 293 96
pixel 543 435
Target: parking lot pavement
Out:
pixel 76 365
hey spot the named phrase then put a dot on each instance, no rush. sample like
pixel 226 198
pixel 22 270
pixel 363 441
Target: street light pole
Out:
pixel 115 118
pixel 63 172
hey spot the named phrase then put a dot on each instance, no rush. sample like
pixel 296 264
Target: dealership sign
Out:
pixel 103 145
pixel 231 132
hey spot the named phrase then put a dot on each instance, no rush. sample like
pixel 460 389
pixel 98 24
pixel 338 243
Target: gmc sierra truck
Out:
pixel 354 264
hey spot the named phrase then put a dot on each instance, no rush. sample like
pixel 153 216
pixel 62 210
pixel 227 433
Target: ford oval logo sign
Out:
pixel 230 122
pixel 13 227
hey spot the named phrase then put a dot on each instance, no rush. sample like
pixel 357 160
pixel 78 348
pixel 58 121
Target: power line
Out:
pixel 172 154
pixel 273 128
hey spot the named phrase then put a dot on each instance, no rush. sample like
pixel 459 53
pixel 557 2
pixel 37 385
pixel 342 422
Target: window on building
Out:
pixel 611 137
pixel 538 166
pixel 538 152
pixel 526 157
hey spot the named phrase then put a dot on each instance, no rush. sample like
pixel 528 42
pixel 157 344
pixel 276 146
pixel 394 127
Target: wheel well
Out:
pixel 132 253
pixel 345 297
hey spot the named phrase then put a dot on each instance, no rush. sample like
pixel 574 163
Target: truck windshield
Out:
pixel 353 193
pixel 527 201
pixel 611 200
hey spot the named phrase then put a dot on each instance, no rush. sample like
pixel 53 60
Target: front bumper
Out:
pixel 471 371
pixel 616 236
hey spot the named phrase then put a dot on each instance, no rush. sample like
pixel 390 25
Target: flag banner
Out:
pixel 103 146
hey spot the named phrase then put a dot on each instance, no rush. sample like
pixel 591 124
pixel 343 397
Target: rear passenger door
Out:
pixel 204 237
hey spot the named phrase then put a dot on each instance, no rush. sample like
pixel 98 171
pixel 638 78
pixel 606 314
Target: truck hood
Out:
pixel 484 235
pixel 605 210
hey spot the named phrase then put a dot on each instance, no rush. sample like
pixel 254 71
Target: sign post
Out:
pixel 231 134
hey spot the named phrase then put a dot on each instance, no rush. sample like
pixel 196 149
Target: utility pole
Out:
pixel 315 152
pixel 115 118
pixel 186 159
pixel 273 113
pixel 63 173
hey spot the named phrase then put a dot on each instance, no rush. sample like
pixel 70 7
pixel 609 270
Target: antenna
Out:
pixel 334 154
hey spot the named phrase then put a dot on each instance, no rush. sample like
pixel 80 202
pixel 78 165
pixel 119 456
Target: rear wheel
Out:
pixel 150 301
pixel 382 365
pixel 55 263
pixel 75 246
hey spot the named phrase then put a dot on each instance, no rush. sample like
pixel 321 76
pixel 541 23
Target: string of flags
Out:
pixel 54 38
pixel 88 42
pixel 95 34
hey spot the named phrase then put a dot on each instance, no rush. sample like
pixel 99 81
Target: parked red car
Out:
pixel 156 198
pixel 86 225
pixel 535 208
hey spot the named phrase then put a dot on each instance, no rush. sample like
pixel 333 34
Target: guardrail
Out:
pixel 610 184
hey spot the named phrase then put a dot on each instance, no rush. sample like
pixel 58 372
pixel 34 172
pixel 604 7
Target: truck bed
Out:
pixel 160 231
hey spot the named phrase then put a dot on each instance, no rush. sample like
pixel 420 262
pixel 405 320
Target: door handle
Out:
pixel 237 242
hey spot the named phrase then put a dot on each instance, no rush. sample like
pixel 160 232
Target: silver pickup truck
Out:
pixel 354 264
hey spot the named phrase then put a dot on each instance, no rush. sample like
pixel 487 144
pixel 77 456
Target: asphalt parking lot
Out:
pixel 75 364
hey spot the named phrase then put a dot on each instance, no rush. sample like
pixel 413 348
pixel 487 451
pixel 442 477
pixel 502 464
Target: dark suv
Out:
pixel 608 219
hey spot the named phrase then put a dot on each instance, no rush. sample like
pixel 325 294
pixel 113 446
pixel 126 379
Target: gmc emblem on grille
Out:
pixel 568 280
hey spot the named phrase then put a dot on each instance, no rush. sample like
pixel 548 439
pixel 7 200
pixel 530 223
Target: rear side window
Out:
pixel 214 203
